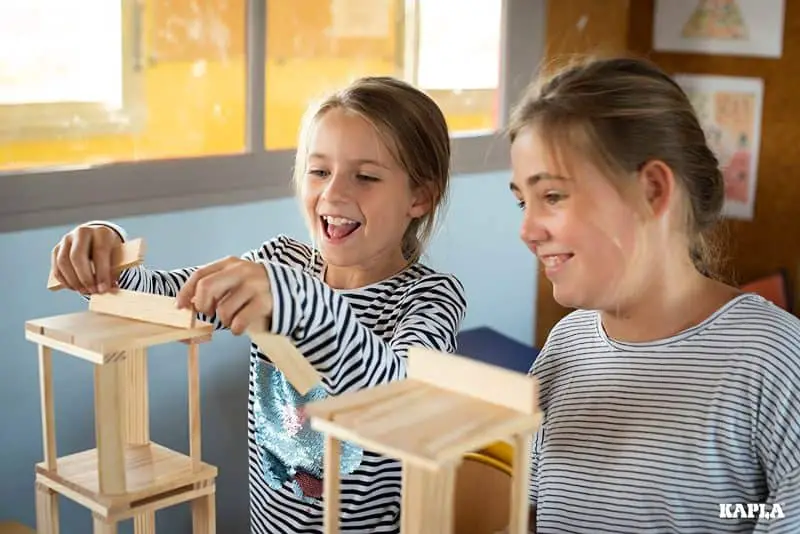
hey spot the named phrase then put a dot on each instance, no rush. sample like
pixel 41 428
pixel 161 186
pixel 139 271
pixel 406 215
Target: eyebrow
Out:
pixel 362 161
pixel 533 179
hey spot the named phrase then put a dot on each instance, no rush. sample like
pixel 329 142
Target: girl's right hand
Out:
pixel 81 261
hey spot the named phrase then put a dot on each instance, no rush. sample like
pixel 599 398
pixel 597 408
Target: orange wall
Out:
pixel 771 241
pixel 755 248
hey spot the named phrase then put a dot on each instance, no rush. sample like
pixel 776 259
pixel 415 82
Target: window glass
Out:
pixel 315 46
pixel 96 81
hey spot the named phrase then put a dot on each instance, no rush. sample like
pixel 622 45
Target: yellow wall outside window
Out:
pixel 191 84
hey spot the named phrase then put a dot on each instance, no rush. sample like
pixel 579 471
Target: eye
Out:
pixel 521 204
pixel 321 173
pixel 367 178
pixel 553 197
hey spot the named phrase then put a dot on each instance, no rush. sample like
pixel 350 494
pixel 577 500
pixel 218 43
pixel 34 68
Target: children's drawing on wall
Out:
pixel 729 109
pixel 716 19
pixel 728 27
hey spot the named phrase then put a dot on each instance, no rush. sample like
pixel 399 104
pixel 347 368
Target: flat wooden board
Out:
pixel 146 307
pixel 475 378
pixel 102 338
pixel 419 422
pixel 151 470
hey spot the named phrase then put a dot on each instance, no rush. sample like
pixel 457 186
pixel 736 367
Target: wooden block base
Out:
pixel 156 476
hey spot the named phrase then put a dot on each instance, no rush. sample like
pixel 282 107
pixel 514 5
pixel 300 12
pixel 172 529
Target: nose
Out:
pixel 533 230
pixel 337 187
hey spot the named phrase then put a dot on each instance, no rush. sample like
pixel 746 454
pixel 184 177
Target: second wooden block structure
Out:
pixel 447 407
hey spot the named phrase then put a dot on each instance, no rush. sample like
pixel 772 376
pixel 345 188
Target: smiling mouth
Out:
pixel 336 228
pixel 554 261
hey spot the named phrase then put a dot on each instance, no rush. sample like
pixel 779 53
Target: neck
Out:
pixel 353 277
pixel 678 298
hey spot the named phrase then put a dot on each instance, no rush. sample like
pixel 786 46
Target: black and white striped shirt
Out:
pixel 658 436
pixel 355 339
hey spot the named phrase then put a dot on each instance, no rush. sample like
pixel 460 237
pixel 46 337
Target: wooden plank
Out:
pixel 521 468
pixel 103 338
pixel 353 400
pixel 124 256
pixel 146 307
pixel 474 378
pixel 109 430
pixel 48 406
pixel 195 433
pixel 137 420
pixel 331 485
pixel 151 471
pixel 282 352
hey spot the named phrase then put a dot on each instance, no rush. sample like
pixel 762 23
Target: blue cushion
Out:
pixel 490 346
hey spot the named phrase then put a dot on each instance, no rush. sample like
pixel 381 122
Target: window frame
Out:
pixel 45 197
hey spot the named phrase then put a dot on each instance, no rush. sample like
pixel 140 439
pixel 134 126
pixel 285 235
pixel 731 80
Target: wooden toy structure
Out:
pixel 447 407
pixel 126 475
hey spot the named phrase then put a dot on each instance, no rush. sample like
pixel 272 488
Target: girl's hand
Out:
pixel 81 261
pixel 236 290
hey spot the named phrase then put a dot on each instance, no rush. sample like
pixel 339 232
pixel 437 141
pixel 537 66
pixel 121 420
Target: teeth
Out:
pixel 336 221
pixel 553 261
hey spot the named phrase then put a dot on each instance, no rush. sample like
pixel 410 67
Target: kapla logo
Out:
pixel 751 511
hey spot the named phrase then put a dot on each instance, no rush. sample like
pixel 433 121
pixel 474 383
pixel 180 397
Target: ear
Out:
pixel 658 186
pixel 421 201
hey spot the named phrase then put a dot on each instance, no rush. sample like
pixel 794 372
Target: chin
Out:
pixel 568 299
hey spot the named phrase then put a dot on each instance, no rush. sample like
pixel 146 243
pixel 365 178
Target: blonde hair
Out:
pixel 414 130
pixel 623 112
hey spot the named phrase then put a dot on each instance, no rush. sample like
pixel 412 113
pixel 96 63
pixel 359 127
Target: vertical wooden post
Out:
pixel 195 433
pixel 204 514
pixel 47 406
pixel 109 427
pixel 103 526
pixel 47 517
pixel 330 481
pixel 137 419
pixel 519 484
pixel 428 499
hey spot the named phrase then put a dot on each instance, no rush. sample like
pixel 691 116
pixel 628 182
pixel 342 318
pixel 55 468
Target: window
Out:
pixel 93 81
pixel 315 46
pixel 110 108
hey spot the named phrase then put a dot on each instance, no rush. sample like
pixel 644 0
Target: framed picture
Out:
pixel 724 27
pixel 729 109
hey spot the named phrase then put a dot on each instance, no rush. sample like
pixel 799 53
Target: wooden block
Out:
pixel 282 352
pixel 481 380
pixel 154 474
pixel 129 254
pixel 102 338
pixel 421 424
pixel 146 307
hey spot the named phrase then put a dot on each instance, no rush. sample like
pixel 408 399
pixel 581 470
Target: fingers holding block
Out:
pixel 124 256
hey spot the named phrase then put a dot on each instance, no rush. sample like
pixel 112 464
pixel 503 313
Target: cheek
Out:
pixel 606 242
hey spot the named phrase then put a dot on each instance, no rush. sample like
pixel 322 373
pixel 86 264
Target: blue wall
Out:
pixel 477 241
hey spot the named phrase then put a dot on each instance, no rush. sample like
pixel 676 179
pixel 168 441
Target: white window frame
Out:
pixel 49 197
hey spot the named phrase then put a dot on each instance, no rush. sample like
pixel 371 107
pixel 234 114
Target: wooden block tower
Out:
pixel 126 475
pixel 447 407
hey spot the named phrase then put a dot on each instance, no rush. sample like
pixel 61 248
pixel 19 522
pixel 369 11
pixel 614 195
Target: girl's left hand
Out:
pixel 236 290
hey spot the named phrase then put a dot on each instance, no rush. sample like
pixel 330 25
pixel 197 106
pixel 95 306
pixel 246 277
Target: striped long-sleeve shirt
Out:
pixel 355 339
pixel 698 433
